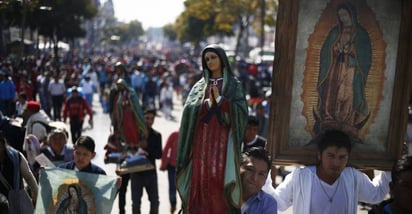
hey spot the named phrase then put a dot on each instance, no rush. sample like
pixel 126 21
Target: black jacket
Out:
pixel 154 145
pixel 91 168
pixel 260 142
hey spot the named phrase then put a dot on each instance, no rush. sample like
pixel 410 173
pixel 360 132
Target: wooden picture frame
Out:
pixel 298 97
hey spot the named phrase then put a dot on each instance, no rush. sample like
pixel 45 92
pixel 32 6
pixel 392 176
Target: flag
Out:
pixel 61 190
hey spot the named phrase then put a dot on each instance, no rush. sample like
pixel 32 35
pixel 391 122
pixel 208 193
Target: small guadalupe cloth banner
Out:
pixel 70 191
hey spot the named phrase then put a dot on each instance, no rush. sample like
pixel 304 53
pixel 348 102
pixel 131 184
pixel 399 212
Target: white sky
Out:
pixel 151 13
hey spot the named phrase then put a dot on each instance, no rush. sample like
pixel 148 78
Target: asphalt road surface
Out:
pixel 100 133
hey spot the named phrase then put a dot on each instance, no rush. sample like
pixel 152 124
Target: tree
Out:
pixel 124 33
pixel 14 13
pixel 170 32
pixel 63 20
pixel 204 18
pixel 133 31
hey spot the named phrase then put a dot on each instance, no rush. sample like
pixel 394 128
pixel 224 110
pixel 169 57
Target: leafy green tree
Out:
pixel 57 20
pixel 62 20
pixel 123 33
pixel 204 18
pixel 108 31
pixel 170 32
pixel 14 13
pixel 133 31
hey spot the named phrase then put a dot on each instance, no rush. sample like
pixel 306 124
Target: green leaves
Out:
pixel 204 18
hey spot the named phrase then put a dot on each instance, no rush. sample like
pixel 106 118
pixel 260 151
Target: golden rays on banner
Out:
pixel 73 196
pixel 64 191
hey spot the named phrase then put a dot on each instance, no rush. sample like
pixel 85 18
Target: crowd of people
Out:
pixel 216 161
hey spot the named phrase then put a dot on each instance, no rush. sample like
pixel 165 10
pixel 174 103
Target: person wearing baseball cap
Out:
pixel 34 118
pixel 33 106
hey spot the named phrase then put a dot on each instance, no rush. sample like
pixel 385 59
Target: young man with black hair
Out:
pixel 251 138
pixel 148 179
pixel 330 186
pixel 83 153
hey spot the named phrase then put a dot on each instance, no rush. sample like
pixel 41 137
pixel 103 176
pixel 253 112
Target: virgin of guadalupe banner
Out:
pixel 69 191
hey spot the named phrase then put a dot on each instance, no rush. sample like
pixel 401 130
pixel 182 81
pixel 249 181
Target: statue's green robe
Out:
pixel 236 118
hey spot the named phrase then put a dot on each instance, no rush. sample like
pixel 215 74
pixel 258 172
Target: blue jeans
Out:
pixel 89 98
pixel 148 180
pixel 171 172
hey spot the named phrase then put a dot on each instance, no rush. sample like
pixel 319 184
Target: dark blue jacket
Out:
pixel 91 168
pixel 8 89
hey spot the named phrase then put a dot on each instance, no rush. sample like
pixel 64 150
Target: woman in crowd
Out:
pixel 14 167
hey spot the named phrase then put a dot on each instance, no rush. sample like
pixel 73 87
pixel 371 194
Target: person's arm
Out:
pixel 49 87
pixel 65 109
pixel 283 193
pixel 157 150
pixel 154 145
pixel 28 176
pixel 373 191
pixel 165 152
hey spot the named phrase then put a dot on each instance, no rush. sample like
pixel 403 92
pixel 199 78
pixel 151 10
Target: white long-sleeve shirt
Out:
pixel 296 189
pixel 166 93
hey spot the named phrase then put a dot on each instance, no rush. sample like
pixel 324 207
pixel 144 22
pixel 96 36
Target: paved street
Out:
pixel 101 131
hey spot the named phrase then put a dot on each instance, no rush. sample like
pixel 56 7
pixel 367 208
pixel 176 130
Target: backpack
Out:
pixel 52 125
pixel 48 127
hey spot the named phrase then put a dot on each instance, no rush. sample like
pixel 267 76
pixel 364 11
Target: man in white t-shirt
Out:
pixel 330 186
pixel 88 89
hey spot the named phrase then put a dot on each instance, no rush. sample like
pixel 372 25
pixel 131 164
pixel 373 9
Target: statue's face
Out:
pixel 213 61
